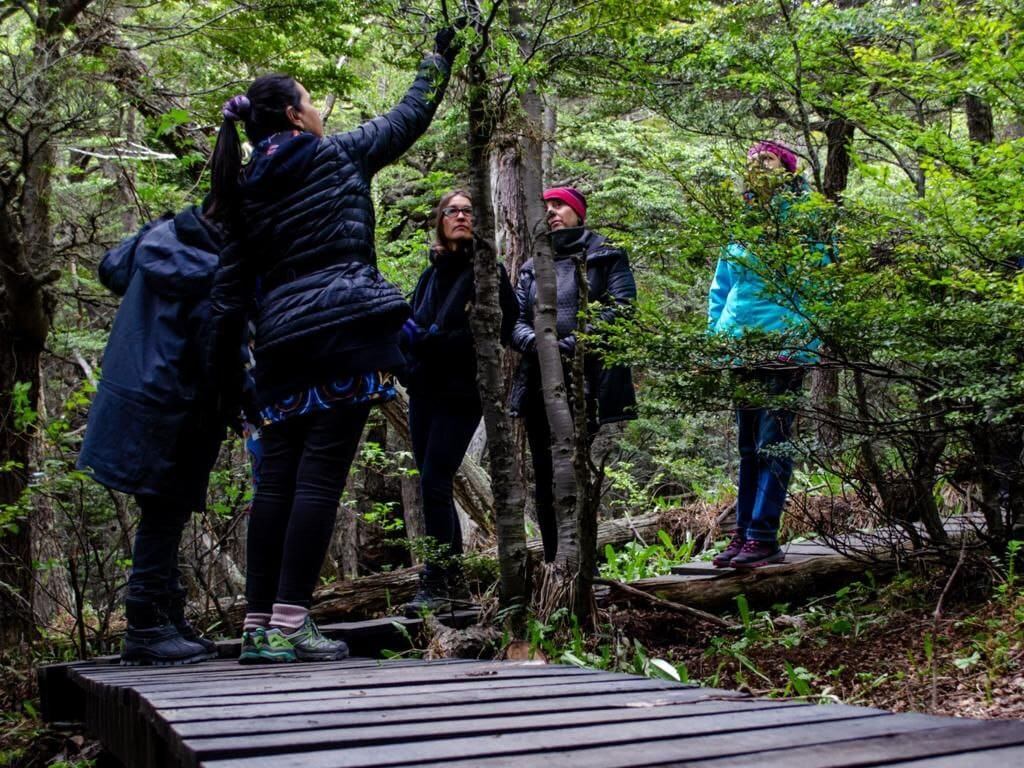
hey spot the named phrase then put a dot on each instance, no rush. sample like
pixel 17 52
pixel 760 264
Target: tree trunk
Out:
pixel 586 504
pixel 825 381
pixel 485 321
pixel 980 125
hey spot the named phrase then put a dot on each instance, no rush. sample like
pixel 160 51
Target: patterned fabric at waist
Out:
pixel 373 387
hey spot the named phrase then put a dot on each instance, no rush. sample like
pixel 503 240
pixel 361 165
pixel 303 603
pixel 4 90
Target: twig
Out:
pixel 678 607
pixel 937 615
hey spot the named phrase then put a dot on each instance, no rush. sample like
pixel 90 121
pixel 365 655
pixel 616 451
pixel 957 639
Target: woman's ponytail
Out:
pixel 263 110
pixel 227 161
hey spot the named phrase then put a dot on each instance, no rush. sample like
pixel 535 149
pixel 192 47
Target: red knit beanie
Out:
pixel 571 197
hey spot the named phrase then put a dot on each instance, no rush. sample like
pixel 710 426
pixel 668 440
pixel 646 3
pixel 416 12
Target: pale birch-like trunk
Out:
pixel 485 321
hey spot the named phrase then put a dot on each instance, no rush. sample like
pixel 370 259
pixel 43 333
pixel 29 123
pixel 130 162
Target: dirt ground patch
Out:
pixel 869 651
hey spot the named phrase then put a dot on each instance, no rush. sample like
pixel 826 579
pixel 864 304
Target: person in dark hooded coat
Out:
pixel 153 428
pixel 609 390
pixel 301 249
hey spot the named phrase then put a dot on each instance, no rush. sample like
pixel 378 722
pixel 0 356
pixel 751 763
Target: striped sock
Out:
pixel 256 621
pixel 288 617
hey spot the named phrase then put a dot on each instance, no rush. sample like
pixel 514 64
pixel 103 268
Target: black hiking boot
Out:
pixel 159 646
pixel 431 597
pixel 176 615
pixel 458 589
pixel 190 633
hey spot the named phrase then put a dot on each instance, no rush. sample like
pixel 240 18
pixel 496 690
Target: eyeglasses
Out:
pixel 452 211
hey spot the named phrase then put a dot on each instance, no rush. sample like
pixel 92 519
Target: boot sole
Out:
pixel 759 563
pixel 152 662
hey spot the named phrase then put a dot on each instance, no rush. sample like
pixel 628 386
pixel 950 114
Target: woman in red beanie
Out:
pixel 610 392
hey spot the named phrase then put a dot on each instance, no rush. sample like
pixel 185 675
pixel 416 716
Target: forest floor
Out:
pixel 879 647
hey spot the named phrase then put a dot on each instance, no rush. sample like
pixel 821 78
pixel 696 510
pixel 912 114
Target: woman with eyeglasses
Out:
pixel 444 405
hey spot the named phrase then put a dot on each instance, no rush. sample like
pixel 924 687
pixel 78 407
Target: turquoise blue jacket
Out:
pixel 741 300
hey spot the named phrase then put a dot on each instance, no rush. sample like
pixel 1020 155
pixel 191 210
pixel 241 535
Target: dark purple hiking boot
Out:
pixel 724 558
pixel 757 553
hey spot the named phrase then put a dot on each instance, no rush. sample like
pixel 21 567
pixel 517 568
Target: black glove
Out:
pixel 444 44
pixel 567 346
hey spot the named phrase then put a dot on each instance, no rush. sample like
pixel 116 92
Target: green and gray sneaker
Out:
pixel 309 644
pixel 277 648
pixel 253 642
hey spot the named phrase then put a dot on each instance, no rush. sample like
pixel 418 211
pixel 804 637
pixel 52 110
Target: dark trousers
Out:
pixel 766 464
pixel 155 579
pixel 441 430
pixel 306 460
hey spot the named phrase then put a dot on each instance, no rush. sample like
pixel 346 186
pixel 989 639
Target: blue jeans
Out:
pixel 766 463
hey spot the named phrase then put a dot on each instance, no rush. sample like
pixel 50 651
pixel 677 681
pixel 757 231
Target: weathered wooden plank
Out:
pixel 809 548
pixel 747 746
pixel 641 689
pixel 229 698
pixel 1004 756
pixel 257 703
pixel 954 736
pixel 669 702
pixel 212 669
pixel 151 678
pixel 406 734
pixel 345 753
pixel 709 571
pixel 341 680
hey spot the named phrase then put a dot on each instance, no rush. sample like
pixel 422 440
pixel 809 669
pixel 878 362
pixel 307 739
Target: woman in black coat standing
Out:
pixel 153 428
pixel 610 395
pixel 301 250
pixel 444 404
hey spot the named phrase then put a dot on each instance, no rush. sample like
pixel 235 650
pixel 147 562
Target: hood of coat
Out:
pixel 179 256
pixel 278 165
pixel 569 241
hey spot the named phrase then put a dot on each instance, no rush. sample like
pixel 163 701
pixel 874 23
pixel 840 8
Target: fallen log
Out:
pixel 615 532
pixel 618 586
pixel 380 593
pixel 343 600
pixel 762 587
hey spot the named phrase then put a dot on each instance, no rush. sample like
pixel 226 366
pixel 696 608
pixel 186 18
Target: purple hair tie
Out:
pixel 237 108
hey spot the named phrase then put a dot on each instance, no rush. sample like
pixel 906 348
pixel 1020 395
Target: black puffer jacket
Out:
pixel 610 282
pixel 307 240
pixel 442 355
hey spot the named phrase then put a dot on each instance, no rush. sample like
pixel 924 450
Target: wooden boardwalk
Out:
pixel 362 712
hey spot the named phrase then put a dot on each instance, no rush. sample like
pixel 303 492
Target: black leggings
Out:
pixel 306 460
pixel 441 430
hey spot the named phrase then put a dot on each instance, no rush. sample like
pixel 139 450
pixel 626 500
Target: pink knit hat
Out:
pixel 571 197
pixel 781 151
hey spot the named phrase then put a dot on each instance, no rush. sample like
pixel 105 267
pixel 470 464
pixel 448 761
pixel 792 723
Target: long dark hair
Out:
pixel 440 241
pixel 269 98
